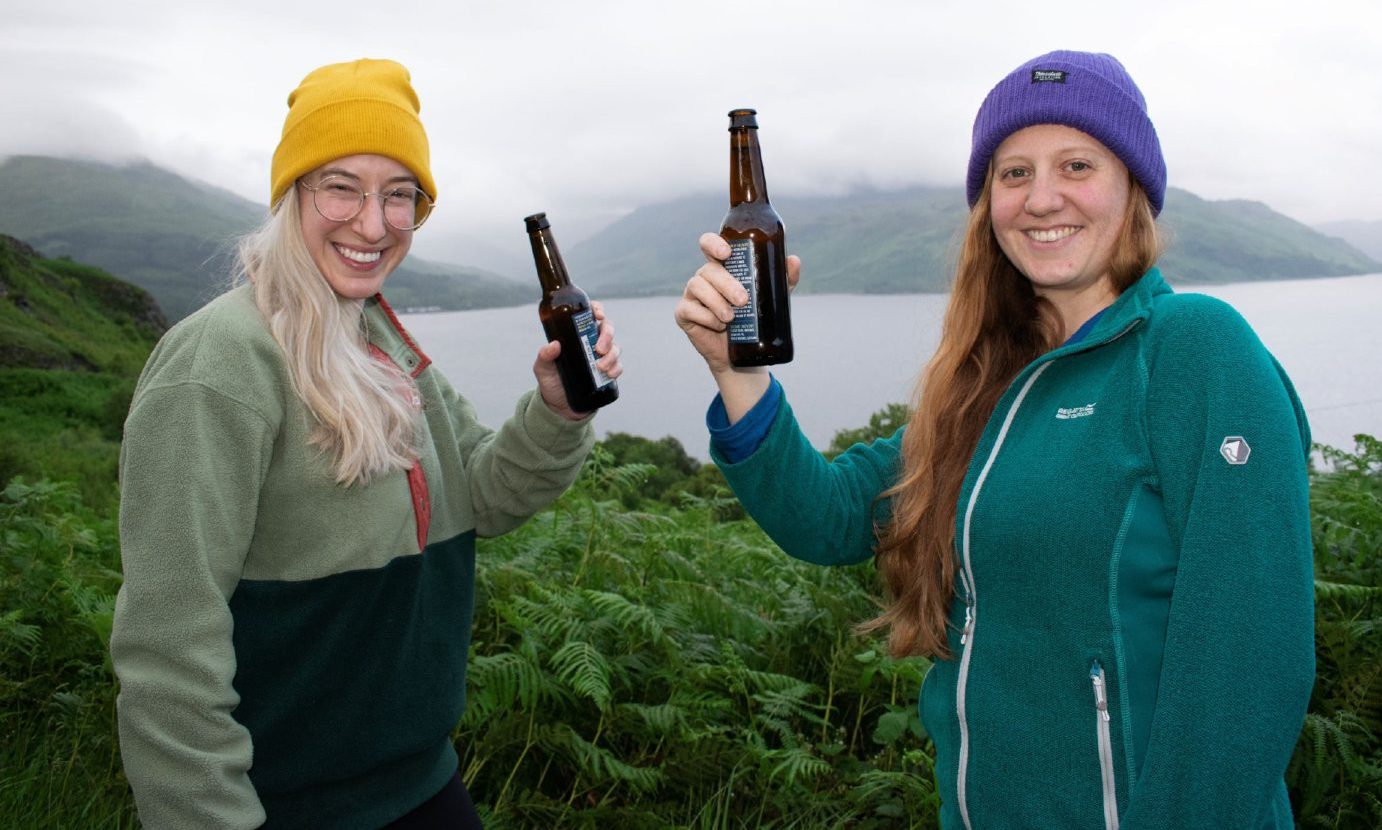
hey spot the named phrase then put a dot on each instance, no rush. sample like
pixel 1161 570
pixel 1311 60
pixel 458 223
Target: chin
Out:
pixel 358 291
pixel 357 286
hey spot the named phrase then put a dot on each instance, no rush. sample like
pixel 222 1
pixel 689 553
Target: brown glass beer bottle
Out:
pixel 761 332
pixel 568 319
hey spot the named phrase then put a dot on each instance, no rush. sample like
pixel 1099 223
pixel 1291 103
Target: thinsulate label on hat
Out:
pixel 1048 76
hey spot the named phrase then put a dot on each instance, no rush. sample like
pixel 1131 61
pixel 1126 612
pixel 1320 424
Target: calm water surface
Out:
pixel 857 353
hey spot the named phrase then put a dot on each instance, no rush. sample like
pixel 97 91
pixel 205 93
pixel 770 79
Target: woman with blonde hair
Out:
pixel 301 494
pixel 1096 521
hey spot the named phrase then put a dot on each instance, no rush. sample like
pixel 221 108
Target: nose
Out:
pixel 369 222
pixel 1044 194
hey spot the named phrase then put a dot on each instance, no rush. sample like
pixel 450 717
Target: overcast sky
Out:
pixel 589 108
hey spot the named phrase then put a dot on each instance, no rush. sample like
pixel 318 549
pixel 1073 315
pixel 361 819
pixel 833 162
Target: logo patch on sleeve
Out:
pixel 1048 76
pixel 1235 449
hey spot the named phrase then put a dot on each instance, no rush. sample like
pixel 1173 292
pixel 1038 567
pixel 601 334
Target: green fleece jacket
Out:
pixel 292 652
pixel 1133 631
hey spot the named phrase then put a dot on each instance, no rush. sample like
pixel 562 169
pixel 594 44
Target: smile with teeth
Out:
pixel 362 257
pixel 1050 234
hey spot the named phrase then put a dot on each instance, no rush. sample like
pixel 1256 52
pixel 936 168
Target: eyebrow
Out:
pixel 340 171
pixel 1062 151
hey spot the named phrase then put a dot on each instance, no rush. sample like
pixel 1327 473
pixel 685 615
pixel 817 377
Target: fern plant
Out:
pixel 58 577
pixel 1335 776
pixel 629 663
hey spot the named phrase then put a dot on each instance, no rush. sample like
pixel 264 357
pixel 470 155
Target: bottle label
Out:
pixel 589 332
pixel 742 266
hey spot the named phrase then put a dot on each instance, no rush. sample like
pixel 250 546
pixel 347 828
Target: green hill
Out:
pixel 72 342
pixel 58 314
pixel 1241 241
pixel 175 236
pixel 881 242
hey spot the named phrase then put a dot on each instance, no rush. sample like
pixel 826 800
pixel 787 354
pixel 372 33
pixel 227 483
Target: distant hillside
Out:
pixel 1365 236
pixel 902 241
pixel 1242 241
pixel 874 242
pixel 174 236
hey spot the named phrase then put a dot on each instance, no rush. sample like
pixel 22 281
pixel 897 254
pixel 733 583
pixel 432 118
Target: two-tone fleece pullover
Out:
pixel 1133 627
pixel 290 651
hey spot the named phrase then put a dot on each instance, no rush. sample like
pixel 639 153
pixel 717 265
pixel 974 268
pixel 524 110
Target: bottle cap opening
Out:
pixel 536 222
pixel 743 117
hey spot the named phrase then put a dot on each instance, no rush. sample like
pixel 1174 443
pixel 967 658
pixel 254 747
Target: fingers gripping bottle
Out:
pixel 761 332
pixel 568 319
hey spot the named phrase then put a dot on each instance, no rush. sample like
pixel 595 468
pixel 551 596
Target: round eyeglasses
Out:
pixel 340 199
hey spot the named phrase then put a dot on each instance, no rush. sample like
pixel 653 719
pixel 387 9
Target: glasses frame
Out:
pixel 364 197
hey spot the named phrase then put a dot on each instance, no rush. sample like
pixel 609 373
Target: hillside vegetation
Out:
pixel 72 342
pixel 656 666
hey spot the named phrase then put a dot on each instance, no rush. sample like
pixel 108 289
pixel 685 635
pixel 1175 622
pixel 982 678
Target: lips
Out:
pixel 357 256
pixel 1050 234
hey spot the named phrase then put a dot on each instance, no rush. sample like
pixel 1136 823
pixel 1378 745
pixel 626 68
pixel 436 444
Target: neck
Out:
pixel 1073 308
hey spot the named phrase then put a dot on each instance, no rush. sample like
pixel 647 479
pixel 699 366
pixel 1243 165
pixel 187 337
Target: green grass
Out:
pixel 64 426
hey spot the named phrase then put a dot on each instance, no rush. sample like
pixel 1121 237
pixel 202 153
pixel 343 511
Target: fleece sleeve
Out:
pixel 522 467
pixel 192 464
pixel 818 510
pixel 1230 446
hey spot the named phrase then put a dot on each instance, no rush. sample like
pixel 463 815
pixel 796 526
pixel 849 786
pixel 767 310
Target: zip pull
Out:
pixel 1096 675
pixel 969 623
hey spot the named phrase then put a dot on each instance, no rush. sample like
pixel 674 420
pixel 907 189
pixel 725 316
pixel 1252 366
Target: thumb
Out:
pixel 549 352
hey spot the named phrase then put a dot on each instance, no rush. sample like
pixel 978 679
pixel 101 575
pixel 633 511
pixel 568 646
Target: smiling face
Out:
pixel 1057 205
pixel 357 255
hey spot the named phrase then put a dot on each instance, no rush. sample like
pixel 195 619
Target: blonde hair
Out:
pixel 363 421
pixel 994 325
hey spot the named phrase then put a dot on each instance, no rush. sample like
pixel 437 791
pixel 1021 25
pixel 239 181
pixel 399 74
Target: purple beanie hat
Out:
pixel 1090 92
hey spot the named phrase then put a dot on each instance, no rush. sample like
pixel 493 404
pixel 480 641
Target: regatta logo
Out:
pixel 1235 449
pixel 1066 413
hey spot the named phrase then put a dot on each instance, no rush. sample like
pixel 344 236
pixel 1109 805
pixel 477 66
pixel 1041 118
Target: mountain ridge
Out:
pixel 175 237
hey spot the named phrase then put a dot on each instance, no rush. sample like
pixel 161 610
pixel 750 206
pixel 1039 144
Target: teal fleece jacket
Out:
pixel 1133 626
pixel 292 652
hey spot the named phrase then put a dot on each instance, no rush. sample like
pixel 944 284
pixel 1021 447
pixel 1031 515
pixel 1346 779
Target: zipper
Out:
pixel 969 607
pixel 967 579
pixel 1101 728
pixel 972 599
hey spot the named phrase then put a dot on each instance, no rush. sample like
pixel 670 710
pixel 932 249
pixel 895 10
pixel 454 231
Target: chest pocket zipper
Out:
pixel 1101 727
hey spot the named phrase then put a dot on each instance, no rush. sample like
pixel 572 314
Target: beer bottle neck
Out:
pixel 551 271
pixel 746 180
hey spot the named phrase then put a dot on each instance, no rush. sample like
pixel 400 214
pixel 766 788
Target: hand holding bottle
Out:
pixel 704 313
pixel 549 381
pixel 577 328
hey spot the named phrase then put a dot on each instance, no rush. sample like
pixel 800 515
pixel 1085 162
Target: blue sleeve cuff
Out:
pixel 738 441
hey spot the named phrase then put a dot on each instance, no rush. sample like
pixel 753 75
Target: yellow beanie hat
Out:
pixel 364 106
